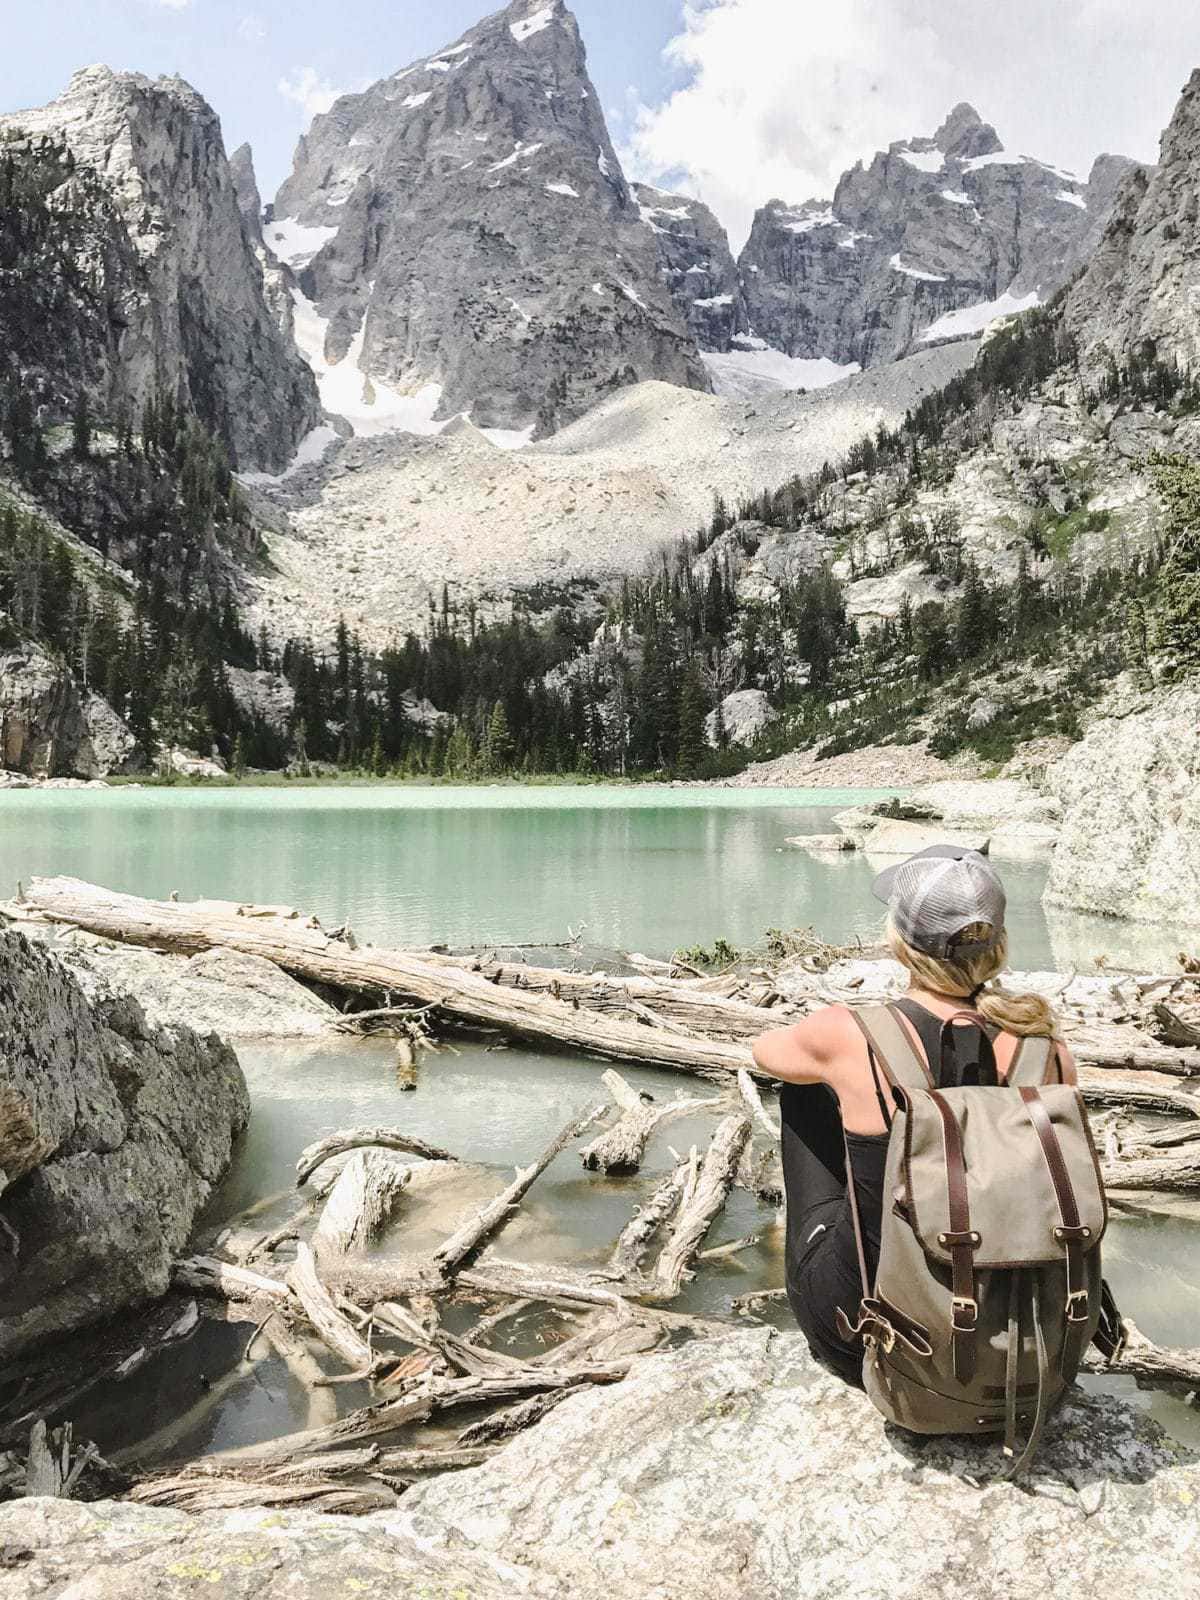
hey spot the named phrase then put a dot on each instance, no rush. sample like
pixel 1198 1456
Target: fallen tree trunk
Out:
pixel 1145 1091
pixel 346 1139
pixel 361 1202
pixel 377 1422
pixel 700 1207
pixel 1143 1359
pixel 207 1275
pixel 310 954
pixel 621 1148
pixel 574 1010
pixel 1177 1171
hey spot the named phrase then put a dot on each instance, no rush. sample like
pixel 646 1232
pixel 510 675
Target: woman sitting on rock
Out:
pixel 946 927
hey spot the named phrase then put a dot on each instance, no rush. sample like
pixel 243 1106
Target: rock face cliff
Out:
pixel 51 727
pixel 733 1467
pixel 1143 276
pixel 113 1135
pixel 934 239
pixel 466 241
pixel 697 265
pixel 162 287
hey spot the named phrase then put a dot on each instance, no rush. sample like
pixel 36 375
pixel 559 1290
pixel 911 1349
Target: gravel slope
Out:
pixel 374 531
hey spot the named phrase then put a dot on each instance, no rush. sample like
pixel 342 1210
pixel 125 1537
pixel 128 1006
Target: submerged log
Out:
pixel 704 1201
pixel 640 1230
pixel 360 1204
pixel 621 1148
pixel 208 1275
pixel 346 1139
pixel 472 1232
pixel 332 1328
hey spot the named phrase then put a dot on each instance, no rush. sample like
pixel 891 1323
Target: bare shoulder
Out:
pixel 811 1050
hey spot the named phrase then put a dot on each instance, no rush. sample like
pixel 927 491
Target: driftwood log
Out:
pixel 1149 1363
pixel 474 1230
pixel 702 1200
pixel 297 946
pixel 621 1148
pixel 332 1327
pixel 346 1139
pixel 702 1031
pixel 360 1204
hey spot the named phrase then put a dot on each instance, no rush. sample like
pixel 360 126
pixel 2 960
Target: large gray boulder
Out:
pixel 1130 792
pixel 161 232
pixel 729 1469
pixel 935 238
pixel 228 992
pixel 128 1128
pixel 463 228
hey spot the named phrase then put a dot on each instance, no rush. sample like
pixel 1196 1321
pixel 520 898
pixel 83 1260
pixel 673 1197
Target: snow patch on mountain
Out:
pixel 311 450
pixel 531 25
pixel 970 320
pixel 923 160
pixel 745 374
pixel 897 265
pixel 294 243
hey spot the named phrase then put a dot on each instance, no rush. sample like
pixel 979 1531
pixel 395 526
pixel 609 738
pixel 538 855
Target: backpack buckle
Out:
pixel 964 1314
pixel 1075 1299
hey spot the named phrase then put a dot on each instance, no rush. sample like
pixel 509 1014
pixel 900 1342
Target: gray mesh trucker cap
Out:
pixel 937 893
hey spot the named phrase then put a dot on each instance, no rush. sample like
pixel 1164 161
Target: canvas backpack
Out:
pixel 988 1289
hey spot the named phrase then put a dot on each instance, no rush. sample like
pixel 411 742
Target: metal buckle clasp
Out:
pixel 964 1314
pixel 1076 1298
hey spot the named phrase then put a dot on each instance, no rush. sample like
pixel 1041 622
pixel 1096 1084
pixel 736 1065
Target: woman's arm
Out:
pixel 808 1051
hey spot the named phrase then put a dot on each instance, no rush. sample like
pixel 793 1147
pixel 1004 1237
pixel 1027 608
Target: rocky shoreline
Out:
pixel 731 1467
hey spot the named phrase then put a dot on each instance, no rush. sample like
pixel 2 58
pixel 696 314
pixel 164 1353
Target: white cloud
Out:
pixel 252 28
pixel 172 5
pixel 779 97
pixel 312 93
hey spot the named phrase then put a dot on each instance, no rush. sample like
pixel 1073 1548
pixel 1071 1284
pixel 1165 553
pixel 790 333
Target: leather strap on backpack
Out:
pixel 962 1242
pixel 1069 1233
pixel 1035 1062
pixel 888 1040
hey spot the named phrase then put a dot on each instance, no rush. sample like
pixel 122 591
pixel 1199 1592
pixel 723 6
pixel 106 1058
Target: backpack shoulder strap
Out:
pixel 890 1043
pixel 1035 1062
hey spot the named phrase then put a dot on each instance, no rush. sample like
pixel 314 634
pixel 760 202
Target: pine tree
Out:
pixel 81 428
pixel 974 626
pixel 691 743
pixel 1176 620
pixel 498 745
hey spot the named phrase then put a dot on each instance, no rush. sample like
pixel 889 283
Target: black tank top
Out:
pixel 821 1253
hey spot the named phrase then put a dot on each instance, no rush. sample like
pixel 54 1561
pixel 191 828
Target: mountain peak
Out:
pixel 965 134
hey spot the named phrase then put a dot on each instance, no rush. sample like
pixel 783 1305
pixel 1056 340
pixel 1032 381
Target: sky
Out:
pixel 735 101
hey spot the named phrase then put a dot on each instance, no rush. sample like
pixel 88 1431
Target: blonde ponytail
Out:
pixel 1026 1015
